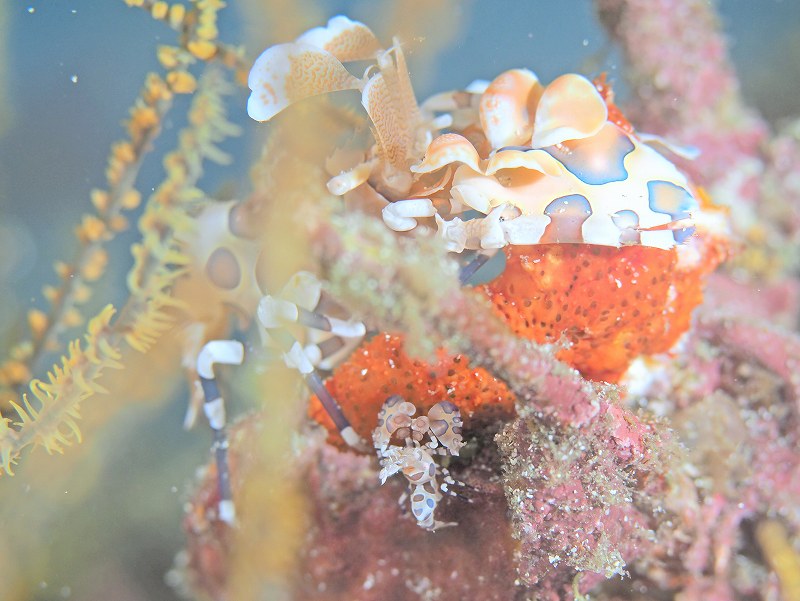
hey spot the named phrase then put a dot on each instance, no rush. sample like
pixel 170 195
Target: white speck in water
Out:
pixel 174 489
pixel 585 43
pixel 31 10
pixel 74 11
pixel 74 79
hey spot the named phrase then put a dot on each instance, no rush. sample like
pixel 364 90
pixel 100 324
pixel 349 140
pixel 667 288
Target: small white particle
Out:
pixel 585 42
pixel 369 582
pixel 74 79
pixel 31 10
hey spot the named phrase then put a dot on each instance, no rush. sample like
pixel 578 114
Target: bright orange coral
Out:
pixel 380 368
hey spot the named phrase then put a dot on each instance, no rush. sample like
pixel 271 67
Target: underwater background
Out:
pixel 104 521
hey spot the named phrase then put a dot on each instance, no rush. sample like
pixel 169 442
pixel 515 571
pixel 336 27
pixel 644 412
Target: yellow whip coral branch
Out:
pixel 781 555
pixel 197 27
pixel 198 32
pixel 158 262
pixel 52 424
pixel 96 230
pixel 159 259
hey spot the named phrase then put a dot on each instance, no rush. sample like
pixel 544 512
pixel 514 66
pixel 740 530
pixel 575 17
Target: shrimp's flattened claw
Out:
pixel 446 423
pixel 389 129
pixel 570 108
pixel 345 39
pixel 389 101
pixel 394 129
pixel 287 73
pixel 394 415
pixel 303 289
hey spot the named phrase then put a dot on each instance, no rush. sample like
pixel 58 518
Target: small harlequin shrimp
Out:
pixel 406 444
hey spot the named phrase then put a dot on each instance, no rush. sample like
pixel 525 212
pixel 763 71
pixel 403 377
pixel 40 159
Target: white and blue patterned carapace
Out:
pixel 537 164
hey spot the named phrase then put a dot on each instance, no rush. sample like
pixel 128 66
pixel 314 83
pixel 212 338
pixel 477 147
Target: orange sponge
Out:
pixel 380 368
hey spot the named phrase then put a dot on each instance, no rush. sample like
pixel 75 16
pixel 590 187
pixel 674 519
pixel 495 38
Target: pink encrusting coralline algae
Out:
pixel 679 480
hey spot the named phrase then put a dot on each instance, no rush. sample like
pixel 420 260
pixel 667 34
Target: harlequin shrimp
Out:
pixel 405 444
pixel 607 244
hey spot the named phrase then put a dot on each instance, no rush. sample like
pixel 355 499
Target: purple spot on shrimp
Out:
pixel 683 234
pixel 628 223
pixel 596 160
pixel 567 215
pixel 671 199
pixel 393 400
pixel 223 269
pixel 675 201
